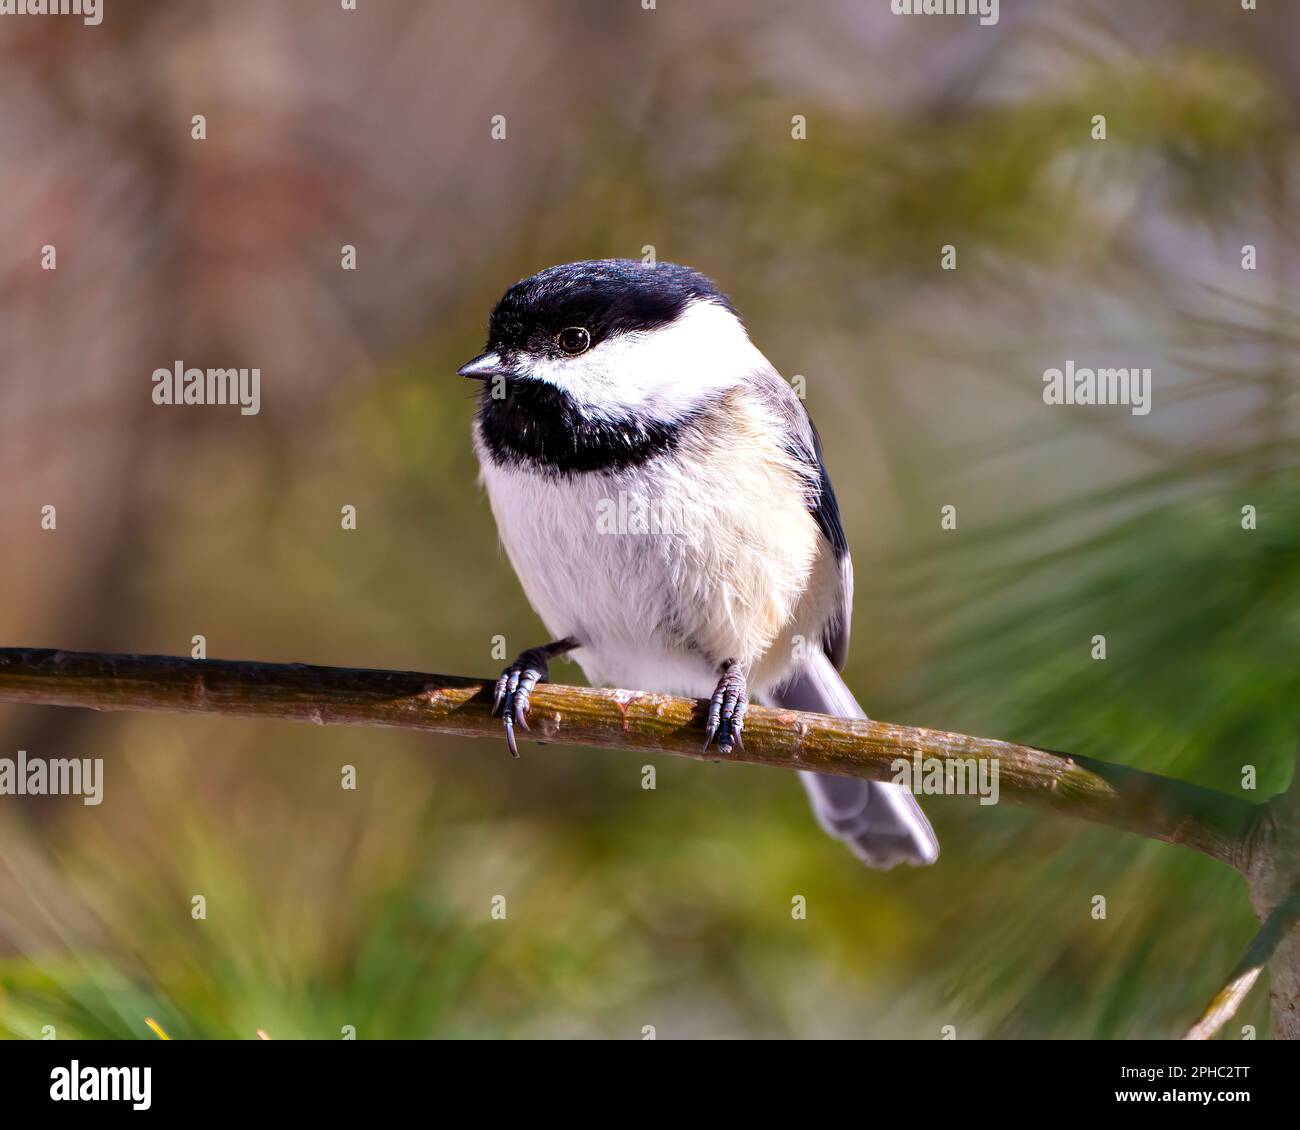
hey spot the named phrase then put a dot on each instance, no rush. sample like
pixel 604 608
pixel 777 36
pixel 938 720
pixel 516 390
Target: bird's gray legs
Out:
pixel 727 708
pixel 517 682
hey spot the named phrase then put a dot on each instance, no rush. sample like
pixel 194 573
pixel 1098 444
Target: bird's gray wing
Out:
pixel 806 445
pixel 881 824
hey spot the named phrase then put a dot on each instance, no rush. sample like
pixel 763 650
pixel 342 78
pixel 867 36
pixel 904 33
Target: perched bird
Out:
pixel 612 388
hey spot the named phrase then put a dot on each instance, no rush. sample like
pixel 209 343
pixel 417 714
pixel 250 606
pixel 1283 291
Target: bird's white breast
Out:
pixel 663 570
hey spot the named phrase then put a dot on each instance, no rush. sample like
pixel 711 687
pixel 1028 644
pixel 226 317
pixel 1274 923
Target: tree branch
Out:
pixel 1160 808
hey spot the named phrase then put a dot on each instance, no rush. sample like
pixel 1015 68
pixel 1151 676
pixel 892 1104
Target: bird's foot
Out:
pixel 726 720
pixel 516 684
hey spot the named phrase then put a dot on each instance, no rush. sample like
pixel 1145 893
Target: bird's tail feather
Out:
pixel 881 824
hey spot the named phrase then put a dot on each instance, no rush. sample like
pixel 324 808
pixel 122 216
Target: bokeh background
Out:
pixel 628 128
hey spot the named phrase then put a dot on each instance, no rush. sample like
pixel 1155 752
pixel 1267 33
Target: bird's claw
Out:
pixel 727 707
pixel 513 689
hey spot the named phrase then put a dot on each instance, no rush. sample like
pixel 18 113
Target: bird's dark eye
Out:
pixel 574 340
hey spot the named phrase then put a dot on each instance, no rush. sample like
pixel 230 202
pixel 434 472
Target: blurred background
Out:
pixel 628 128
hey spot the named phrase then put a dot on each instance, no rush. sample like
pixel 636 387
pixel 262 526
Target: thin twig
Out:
pixel 1227 1000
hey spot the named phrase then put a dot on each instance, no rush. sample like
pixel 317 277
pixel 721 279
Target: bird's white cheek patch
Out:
pixel 660 374
pixel 590 385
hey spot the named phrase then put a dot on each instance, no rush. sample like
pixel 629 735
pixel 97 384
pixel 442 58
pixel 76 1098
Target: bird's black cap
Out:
pixel 604 296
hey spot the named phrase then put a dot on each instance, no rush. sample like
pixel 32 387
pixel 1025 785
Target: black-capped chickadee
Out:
pixel 615 389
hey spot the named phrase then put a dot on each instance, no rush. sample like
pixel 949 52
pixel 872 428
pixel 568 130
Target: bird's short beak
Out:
pixel 484 367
